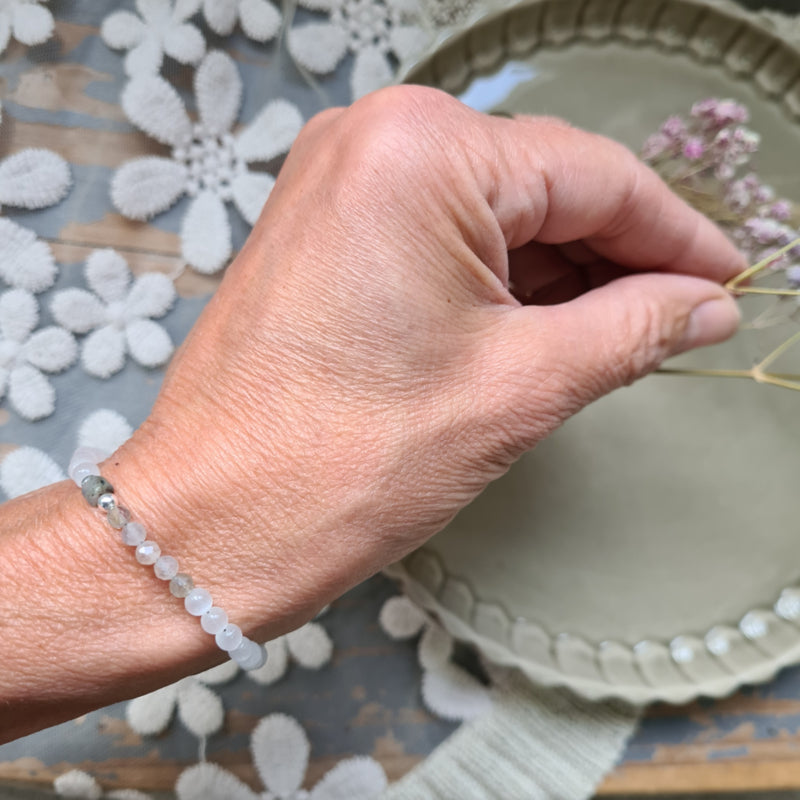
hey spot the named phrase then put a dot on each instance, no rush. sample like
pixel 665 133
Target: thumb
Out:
pixel 557 359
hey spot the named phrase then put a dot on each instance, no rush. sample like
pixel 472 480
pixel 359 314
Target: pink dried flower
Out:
pixel 728 111
pixel 780 210
pixel 705 108
pixel 694 148
pixel 674 128
pixel 656 145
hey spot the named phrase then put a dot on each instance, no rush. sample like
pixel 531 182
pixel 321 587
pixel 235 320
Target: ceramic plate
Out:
pixel 649 549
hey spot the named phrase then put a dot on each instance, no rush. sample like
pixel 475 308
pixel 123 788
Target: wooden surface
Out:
pixel 748 741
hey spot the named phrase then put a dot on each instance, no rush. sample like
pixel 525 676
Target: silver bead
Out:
pixel 106 502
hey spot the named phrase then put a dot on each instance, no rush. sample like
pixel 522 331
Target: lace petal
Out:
pixel 103 352
pixel 151 713
pixel 145 58
pixel 260 20
pixel 250 192
pixel 435 647
pixel 280 753
pixel 199 708
pixel 154 106
pixel 221 15
pixel 317 46
pixel 277 663
pixel 206 234
pixel 33 178
pixel 30 393
pixel 122 30
pixel 210 782
pixel 19 314
pixel 77 310
pixel 104 429
pixel 454 694
pixel 400 618
pixel 218 89
pixel 359 778
pixel 151 295
pixel 51 349
pixel 32 24
pixel 185 44
pixel 371 71
pixel 25 469
pixel 271 133
pixel 77 784
pixel 108 275
pixel 25 261
pixel 148 343
pixel 310 645
pixel 144 187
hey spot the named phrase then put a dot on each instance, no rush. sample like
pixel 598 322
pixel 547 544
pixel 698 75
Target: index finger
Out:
pixel 552 183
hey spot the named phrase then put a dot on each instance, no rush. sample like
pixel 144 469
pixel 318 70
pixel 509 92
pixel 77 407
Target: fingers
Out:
pixel 558 184
pixel 549 362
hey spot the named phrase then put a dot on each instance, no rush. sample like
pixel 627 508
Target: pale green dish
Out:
pixel 647 550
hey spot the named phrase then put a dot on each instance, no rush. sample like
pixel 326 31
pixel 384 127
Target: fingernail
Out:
pixel 711 322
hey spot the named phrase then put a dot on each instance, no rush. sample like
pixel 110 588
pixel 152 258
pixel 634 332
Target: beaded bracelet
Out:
pixel 99 493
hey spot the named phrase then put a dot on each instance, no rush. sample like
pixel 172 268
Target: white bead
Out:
pixel 166 568
pixel 249 655
pixel 147 553
pixel 214 620
pixel 84 462
pixel 230 637
pixel 197 602
pixel 133 534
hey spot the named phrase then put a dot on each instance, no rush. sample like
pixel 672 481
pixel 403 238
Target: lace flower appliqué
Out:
pixel 374 31
pixel 79 785
pixel 26 21
pixel 260 20
pixel 207 162
pixel 25 261
pixel 280 751
pixel 161 28
pixel 118 314
pixel 33 178
pixel 27 468
pixel 447 689
pixel 25 354
pixel 199 708
pixel 310 646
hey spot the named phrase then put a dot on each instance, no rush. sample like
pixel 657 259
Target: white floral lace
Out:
pixel 25 261
pixel 160 28
pixel 447 690
pixel 260 20
pixel 79 785
pixel 280 750
pixel 33 178
pixel 379 33
pixel 26 354
pixel 26 20
pixel 117 314
pixel 207 162
pixel 26 469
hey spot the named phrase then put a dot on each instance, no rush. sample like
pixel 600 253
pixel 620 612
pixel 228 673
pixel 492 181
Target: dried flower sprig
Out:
pixel 702 158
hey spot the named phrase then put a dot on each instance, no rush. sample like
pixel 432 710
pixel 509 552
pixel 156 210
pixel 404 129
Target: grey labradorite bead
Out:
pixel 181 584
pixel 93 487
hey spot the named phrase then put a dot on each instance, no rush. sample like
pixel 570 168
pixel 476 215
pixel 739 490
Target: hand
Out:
pixel 364 370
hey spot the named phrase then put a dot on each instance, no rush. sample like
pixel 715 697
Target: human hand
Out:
pixel 364 371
